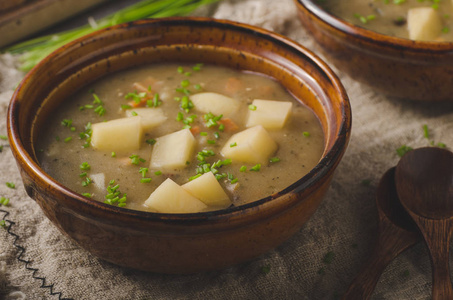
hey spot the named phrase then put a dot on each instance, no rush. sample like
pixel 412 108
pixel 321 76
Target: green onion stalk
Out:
pixel 34 50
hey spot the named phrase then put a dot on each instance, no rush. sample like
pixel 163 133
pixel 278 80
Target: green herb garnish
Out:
pixel 403 150
pixel 11 185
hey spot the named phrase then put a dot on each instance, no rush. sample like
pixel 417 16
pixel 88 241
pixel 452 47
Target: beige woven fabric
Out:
pixel 345 223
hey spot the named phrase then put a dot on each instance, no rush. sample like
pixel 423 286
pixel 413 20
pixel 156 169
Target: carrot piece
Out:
pixel 142 102
pixel 229 124
pixel 145 85
pixel 233 85
pixel 195 129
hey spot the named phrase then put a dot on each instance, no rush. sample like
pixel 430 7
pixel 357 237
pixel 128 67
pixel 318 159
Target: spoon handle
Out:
pixel 391 242
pixel 437 235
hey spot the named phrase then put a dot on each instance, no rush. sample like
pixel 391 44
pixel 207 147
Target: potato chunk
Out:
pixel 173 150
pixel 269 113
pixel 215 103
pixel 169 197
pixel 120 135
pixel 150 117
pixel 423 24
pixel 253 145
pixel 207 189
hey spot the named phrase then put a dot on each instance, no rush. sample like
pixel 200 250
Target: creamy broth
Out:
pixel 62 151
pixel 390 17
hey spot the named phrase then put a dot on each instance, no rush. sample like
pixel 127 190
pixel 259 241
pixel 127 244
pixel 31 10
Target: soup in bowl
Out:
pixel 371 44
pixel 162 145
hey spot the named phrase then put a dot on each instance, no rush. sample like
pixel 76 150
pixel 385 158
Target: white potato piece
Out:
pixel 423 24
pixel 173 150
pixel 253 145
pixel 207 189
pixel 169 197
pixel 215 103
pixel 150 117
pixel 270 114
pixel 119 135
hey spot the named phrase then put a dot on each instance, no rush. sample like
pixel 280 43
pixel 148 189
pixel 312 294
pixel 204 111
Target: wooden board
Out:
pixel 21 18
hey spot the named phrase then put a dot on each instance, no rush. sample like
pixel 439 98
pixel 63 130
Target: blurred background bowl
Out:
pixel 392 66
pixel 178 243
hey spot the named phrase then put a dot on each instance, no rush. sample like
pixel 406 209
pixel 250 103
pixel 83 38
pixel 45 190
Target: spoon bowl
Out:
pixel 424 180
pixel 396 233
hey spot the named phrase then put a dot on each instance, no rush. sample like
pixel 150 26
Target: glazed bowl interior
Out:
pixel 394 66
pixel 183 40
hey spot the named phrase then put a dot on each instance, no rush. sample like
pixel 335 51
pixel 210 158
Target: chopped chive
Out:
pixel 81 175
pixel 134 113
pixel 151 141
pixel 266 269
pixel 197 87
pixel 203 133
pixel 4 201
pixel 256 168
pixel 157 173
pixel 425 131
pixel 233 145
pixel 216 135
pixel 274 159
pixel 441 145
pixel 66 123
pixel 221 127
pixel 143 171
pixel 156 101
pixel 197 67
pixel 113 154
pixel 145 180
pixel 68 139
pixel 366 182
pixel 234 180
pixel 88 195
pixel 136 159
pixel 252 107
pixel 328 257
pixel 306 133
pixel 3 137
pixel 3 223
pixel 211 142
pixel 187 74
pixel 403 150
pixel 180 70
pixel 194 177
pixel 185 83
pixel 10 185
pixel 243 169
pixel 85 166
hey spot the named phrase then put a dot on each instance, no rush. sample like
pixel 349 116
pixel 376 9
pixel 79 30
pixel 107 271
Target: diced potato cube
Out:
pixel 207 189
pixel 423 24
pixel 150 117
pixel 120 135
pixel 253 145
pixel 269 113
pixel 214 103
pixel 169 197
pixel 173 150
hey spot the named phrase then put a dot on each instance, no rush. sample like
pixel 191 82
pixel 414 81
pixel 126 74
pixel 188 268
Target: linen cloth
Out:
pixel 318 262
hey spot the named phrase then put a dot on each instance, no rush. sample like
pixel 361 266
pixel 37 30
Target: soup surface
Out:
pixel 99 164
pixel 391 17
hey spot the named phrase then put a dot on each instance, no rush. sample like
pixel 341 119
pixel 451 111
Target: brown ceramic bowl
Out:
pixel 393 66
pixel 178 243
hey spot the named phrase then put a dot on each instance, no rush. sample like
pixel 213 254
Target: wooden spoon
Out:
pixel 424 181
pixel 396 232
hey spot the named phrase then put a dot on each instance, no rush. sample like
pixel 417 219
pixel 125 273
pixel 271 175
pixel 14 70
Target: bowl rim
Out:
pixel 328 160
pixel 371 36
